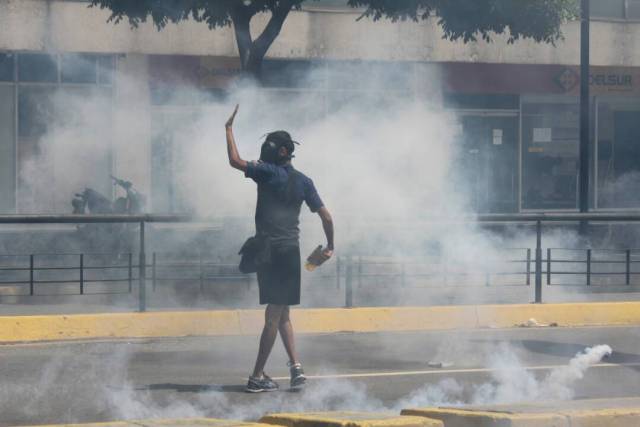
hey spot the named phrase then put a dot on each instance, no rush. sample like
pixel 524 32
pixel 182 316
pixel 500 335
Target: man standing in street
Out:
pixel 281 191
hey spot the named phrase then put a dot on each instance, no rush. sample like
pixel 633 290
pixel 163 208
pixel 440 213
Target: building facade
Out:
pixel 517 103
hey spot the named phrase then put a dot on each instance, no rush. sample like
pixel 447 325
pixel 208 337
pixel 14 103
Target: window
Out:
pixel 35 110
pixel 617 153
pixel 292 74
pixel 106 65
pixel 7 150
pixel 615 9
pixel 325 5
pixel 37 67
pixel 6 67
pixel 633 9
pixel 550 142
pixel 78 68
pixel 607 9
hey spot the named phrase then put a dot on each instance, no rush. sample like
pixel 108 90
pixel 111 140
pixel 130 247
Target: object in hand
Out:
pixel 316 259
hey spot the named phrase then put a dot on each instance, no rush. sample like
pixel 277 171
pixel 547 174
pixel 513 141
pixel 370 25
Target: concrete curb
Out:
pixel 348 419
pixel 619 417
pixel 249 322
pixel 182 422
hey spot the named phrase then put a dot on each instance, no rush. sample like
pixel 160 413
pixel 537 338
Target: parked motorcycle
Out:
pixel 114 237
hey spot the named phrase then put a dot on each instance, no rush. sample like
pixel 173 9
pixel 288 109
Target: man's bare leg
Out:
pixel 286 333
pixel 272 316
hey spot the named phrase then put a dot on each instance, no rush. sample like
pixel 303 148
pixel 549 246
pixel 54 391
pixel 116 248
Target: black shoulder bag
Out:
pixel 256 253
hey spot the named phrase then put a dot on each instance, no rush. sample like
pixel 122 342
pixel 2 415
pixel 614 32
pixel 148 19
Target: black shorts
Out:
pixel 279 282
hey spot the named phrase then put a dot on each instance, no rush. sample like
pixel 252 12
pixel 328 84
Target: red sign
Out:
pixel 537 79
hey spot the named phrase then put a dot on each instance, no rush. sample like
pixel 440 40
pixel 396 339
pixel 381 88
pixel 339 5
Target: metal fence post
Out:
pixel 349 284
pixel 200 272
pixel 31 262
pixel 549 266
pixel 538 289
pixel 142 273
pixel 445 274
pixel 360 271
pixel 528 266
pixel 81 274
pixel 154 265
pixel 588 267
pixel 130 272
pixel 338 272
pixel 628 267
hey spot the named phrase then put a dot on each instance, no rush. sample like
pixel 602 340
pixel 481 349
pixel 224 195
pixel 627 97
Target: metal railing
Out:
pixel 536 220
pixel 78 271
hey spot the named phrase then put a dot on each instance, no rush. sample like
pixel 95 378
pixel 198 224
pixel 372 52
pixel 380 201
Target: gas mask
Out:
pixel 269 152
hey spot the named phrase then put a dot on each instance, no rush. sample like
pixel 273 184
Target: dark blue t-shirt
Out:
pixel 281 191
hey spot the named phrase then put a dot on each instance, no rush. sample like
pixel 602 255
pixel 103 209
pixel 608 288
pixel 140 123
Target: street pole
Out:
pixel 583 198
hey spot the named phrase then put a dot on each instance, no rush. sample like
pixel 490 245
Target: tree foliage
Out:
pixel 216 14
pixel 465 20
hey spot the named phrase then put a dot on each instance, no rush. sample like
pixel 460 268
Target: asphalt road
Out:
pixel 98 381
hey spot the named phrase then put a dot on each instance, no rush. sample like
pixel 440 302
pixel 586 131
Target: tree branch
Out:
pixel 263 42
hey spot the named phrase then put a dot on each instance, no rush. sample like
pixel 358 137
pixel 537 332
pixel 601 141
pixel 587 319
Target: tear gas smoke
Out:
pixel 112 394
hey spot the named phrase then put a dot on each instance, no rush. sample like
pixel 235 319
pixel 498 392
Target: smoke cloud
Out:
pixel 111 394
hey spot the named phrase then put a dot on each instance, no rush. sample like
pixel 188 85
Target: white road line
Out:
pixel 455 371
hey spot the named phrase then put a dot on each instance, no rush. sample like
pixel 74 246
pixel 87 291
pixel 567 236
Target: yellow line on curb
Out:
pixel 330 320
pixel 457 371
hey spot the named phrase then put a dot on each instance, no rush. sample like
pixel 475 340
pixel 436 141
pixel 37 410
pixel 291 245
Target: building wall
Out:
pixel 72 26
pixel 146 58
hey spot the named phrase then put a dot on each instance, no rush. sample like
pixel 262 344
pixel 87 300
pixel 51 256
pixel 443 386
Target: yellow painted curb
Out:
pixel 181 422
pixel 331 320
pixel 348 419
pixel 619 417
pixel 374 319
pixel 466 418
pixel 569 314
pixel 622 417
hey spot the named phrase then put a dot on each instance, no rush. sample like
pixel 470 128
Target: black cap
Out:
pixel 282 138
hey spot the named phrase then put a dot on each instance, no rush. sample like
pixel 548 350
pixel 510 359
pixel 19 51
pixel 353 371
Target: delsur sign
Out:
pixel 619 81
pixel 602 80
pixel 538 79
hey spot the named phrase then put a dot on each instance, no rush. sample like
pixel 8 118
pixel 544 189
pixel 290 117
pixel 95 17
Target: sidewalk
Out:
pixel 621 412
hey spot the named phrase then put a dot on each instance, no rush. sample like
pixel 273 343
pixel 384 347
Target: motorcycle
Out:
pixel 115 237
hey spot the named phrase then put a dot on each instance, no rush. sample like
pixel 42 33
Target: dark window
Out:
pixel 550 141
pixel 607 9
pixel 35 110
pixel 292 74
pixel 326 4
pixel 78 68
pixel 633 9
pixel 6 67
pixel 106 65
pixel 7 150
pixel 37 67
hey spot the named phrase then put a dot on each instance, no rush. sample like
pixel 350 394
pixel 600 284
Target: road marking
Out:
pixel 457 371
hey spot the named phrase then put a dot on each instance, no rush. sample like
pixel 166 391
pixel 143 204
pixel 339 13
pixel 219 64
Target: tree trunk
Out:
pixel 252 52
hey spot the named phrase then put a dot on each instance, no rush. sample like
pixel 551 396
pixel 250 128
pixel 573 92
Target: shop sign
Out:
pixel 601 81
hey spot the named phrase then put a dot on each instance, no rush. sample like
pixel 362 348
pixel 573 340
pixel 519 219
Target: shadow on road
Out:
pixel 195 388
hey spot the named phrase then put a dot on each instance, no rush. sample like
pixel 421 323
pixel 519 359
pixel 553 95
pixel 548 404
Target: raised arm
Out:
pixel 327 226
pixel 235 160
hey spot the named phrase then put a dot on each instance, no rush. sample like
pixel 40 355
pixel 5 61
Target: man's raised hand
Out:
pixel 229 123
